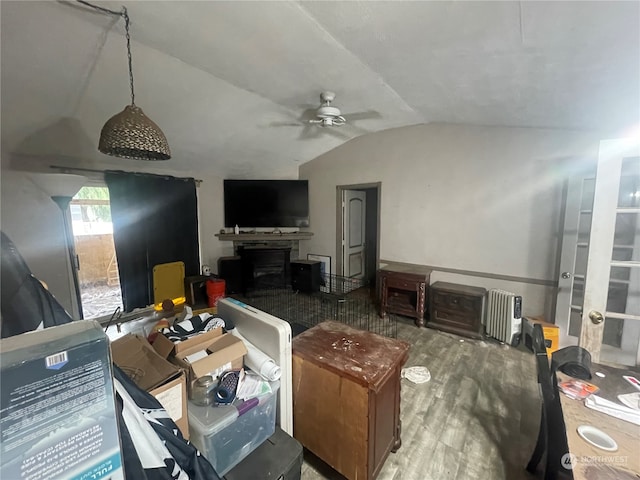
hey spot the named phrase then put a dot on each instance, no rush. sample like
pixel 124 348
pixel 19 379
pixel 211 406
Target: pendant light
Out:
pixel 130 133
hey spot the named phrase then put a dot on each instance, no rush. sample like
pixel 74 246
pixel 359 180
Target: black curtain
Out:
pixel 155 221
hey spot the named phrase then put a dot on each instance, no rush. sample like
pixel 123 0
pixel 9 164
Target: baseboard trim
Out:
pixel 471 273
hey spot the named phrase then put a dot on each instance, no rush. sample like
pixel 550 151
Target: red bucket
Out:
pixel 215 291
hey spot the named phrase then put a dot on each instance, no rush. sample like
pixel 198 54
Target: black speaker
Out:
pixel 305 276
pixel 230 270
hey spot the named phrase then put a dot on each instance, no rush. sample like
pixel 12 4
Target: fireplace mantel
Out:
pixel 262 236
pixel 265 239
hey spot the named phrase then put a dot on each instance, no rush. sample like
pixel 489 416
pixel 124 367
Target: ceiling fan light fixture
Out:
pixel 334 121
pixel 326 111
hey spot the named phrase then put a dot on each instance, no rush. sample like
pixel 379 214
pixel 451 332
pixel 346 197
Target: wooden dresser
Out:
pixel 346 396
pixel 403 290
pixel 457 308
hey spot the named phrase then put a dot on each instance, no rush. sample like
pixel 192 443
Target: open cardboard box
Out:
pixel 162 379
pixel 225 352
pixel 166 347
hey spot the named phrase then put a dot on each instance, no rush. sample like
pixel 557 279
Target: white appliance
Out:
pixel 503 320
pixel 272 335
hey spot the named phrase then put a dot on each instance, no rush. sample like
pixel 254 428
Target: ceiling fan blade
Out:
pixel 369 114
pixel 285 124
pixel 309 131
pixel 308 114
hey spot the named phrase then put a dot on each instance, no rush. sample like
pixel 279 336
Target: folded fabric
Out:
pixel 631 400
pixel 191 327
pixel 614 409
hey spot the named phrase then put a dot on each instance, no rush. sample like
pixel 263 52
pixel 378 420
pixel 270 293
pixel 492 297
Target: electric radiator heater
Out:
pixel 504 316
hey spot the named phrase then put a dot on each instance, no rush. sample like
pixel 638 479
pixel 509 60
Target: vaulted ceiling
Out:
pixel 231 82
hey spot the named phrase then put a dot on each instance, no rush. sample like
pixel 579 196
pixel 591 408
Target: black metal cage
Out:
pixel 347 300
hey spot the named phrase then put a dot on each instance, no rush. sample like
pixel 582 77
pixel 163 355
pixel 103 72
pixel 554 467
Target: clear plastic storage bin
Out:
pixel 225 438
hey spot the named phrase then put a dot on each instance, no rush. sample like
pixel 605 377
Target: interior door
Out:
pixel 598 303
pixel 353 242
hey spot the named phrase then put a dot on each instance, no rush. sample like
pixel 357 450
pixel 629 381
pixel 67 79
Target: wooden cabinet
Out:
pixel 457 308
pixel 404 291
pixel 346 396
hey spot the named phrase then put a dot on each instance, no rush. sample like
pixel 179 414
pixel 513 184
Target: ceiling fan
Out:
pixel 328 115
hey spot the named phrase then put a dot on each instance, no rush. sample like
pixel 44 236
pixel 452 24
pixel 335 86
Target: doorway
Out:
pixel 599 281
pixel 98 277
pixel 358 231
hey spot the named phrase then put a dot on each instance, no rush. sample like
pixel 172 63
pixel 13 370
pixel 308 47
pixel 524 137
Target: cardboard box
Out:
pixel 166 348
pixel 212 310
pixel 224 353
pixel 162 379
pixel 550 331
pixel 58 409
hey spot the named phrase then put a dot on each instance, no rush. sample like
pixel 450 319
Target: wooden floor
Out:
pixel 476 419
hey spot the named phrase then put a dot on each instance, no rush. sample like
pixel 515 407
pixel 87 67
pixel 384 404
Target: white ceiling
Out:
pixel 225 79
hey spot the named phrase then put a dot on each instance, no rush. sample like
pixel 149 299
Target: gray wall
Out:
pixel 479 199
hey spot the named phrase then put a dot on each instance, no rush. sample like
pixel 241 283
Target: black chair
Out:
pixel 552 436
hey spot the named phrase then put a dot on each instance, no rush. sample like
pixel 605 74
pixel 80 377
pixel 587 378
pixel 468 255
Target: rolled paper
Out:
pixel 573 361
pixel 258 361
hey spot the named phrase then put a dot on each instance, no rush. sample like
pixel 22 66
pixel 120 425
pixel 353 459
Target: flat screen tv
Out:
pixel 266 203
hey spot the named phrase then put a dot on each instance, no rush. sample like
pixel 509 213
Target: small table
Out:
pixel 592 462
pixel 403 290
pixel 346 396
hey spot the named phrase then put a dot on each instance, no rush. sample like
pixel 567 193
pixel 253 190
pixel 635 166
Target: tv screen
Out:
pixel 266 203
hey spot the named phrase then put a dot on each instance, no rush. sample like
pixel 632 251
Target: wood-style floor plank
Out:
pixel 476 419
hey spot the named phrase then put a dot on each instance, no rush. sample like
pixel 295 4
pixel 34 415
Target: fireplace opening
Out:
pixel 264 266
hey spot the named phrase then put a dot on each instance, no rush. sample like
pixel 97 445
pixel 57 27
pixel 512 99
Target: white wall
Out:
pixel 34 223
pixel 211 220
pixel 481 199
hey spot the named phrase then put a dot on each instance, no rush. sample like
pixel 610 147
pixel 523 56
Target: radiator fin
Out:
pixel 504 315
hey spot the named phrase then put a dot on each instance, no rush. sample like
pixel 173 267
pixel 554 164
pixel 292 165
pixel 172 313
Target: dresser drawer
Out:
pixel 403 284
pixel 469 320
pixel 460 304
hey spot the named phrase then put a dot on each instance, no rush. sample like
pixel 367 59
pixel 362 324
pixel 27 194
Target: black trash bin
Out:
pixel 278 458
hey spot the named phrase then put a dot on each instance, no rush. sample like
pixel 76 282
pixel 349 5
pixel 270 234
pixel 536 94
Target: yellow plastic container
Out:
pixel 168 284
pixel 550 331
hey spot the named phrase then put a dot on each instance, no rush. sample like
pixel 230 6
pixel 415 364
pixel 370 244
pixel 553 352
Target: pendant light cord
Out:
pixel 124 14
pixel 126 28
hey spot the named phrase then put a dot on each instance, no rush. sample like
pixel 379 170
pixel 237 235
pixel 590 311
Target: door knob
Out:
pixel 596 317
pixel 565 275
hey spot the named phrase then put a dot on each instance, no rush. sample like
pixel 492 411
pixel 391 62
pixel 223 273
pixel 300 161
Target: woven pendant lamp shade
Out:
pixel 131 134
